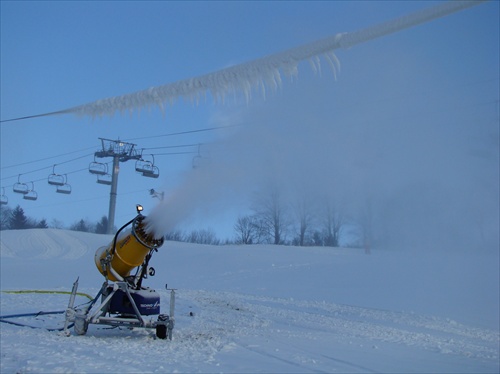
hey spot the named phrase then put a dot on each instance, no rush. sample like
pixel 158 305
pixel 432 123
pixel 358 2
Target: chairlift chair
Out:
pixel 196 161
pixel 31 194
pixel 56 179
pixel 65 189
pixel 20 187
pixel 154 172
pixel 143 166
pixel 4 200
pixel 98 168
pixel 104 179
pixel 147 168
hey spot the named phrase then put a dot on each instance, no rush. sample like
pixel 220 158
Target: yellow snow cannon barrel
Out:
pixel 127 250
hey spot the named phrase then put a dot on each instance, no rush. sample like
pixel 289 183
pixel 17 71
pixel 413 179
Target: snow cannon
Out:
pixel 127 251
pixel 122 300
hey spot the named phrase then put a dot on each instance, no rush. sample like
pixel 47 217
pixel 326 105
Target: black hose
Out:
pixel 3 319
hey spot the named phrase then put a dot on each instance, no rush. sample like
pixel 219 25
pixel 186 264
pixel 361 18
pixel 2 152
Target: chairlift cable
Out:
pixel 48 167
pixel 174 153
pixel 174 146
pixel 46 158
pixel 184 132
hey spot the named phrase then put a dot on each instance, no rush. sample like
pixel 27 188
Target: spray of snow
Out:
pixel 420 175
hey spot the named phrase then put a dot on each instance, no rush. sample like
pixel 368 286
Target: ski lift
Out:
pixel 198 159
pixel 64 189
pixel 143 166
pixel 31 194
pixel 4 200
pixel 104 179
pixel 56 179
pixel 59 180
pixel 98 168
pixel 20 187
pixel 153 173
pixel 147 168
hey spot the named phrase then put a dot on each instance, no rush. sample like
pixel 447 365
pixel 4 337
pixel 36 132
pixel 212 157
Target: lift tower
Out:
pixel 120 152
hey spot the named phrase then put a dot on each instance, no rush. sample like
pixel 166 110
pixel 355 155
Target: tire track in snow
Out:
pixel 302 319
pixel 302 367
pixel 288 334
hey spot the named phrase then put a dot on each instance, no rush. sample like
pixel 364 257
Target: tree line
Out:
pixel 277 219
pixel 271 220
pixel 16 219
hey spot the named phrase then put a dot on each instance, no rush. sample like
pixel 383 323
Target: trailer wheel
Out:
pixel 161 331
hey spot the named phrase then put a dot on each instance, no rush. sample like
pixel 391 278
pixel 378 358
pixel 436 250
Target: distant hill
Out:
pixel 49 243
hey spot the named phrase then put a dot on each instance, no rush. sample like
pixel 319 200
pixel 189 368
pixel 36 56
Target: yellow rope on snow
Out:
pixel 49 292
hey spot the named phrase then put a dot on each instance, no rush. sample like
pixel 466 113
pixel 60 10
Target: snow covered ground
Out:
pixel 260 309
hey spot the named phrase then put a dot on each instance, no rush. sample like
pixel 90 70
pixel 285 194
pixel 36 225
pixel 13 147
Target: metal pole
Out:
pixel 112 195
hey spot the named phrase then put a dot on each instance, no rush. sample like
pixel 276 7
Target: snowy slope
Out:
pixel 260 309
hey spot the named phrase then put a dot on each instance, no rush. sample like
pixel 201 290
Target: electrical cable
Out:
pixel 4 319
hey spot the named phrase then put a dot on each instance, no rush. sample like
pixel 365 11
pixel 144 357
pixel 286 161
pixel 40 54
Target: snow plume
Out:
pixel 262 73
pixel 409 173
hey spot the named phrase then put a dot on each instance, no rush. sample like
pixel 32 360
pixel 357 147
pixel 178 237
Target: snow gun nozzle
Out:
pixel 128 249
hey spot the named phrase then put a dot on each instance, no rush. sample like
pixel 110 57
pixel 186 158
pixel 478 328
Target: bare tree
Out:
pixel 332 225
pixel 204 236
pixel 56 224
pixel 175 236
pixel 246 230
pixel 366 226
pixel 303 209
pixel 271 217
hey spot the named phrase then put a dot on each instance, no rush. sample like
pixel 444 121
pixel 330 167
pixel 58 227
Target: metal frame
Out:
pixel 82 318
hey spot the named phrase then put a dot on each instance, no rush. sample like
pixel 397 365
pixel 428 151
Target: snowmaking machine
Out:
pixel 122 300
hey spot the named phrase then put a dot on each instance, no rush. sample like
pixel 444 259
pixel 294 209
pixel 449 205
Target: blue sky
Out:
pixel 56 55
